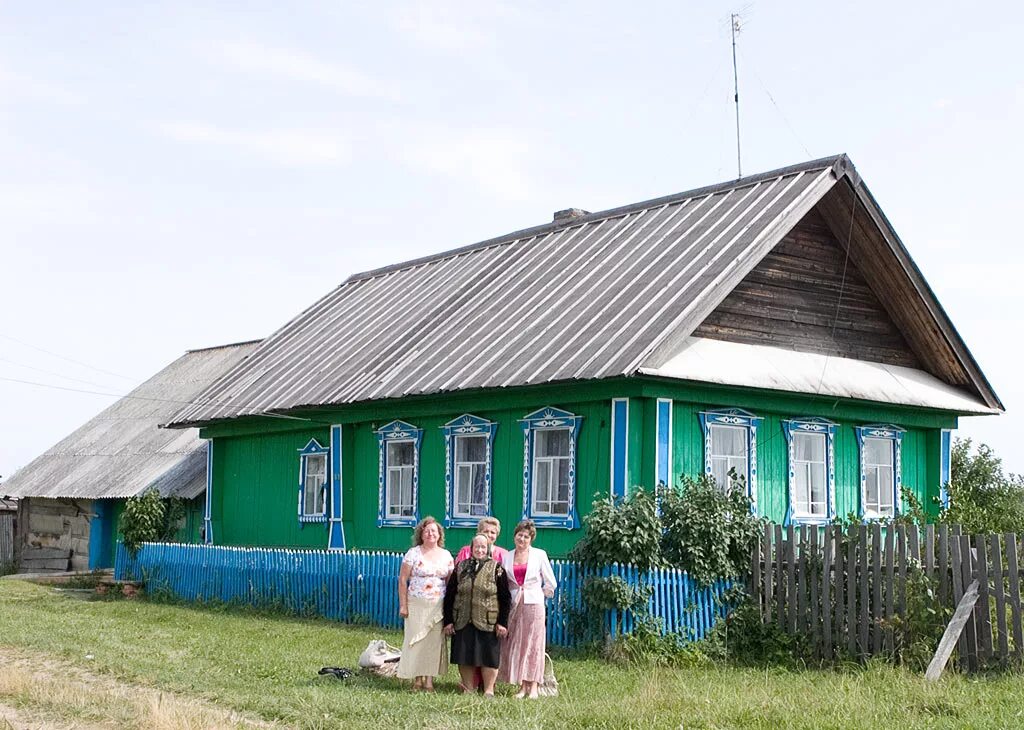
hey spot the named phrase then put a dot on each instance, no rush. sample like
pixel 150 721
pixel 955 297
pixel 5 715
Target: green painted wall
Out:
pixel 255 462
pixel 920 458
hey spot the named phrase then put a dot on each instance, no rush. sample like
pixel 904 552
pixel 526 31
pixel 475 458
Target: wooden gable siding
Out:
pixel 791 300
pixel 900 287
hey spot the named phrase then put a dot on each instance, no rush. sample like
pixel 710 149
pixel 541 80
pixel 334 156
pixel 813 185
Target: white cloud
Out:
pixel 292 148
pixel 298 66
pixel 495 159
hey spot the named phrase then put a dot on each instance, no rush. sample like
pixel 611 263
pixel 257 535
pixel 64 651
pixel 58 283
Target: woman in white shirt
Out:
pixel 421 586
pixel 531 581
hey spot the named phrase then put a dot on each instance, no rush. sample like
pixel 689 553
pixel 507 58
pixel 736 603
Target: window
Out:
pixel 811 469
pixel 879 470
pixel 468 447
pixel 398 481
pixel 730 443
pixel 313 482
pixel 549 467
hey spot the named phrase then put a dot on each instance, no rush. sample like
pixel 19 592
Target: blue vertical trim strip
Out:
pixel 97 526
pixel 336 533
pixel 945 464
pixel 620 446
pixel 663 452
pixel 208 517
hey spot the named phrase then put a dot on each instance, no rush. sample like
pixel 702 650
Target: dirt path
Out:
pixel 43 693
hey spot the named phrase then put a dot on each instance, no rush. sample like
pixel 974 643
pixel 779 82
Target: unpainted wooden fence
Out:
pixel 360 586
pixel 6 540
pixel 847 591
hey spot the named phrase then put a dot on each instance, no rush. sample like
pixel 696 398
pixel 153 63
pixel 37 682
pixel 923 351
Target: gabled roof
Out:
pixel 597 296
pixel 122 451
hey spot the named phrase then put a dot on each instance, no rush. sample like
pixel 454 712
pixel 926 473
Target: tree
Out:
pixel 982 498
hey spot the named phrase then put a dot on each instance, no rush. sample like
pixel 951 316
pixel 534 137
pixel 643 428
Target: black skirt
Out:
pixel 473 647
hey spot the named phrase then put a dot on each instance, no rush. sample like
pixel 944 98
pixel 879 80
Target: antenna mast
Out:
pixel 735 24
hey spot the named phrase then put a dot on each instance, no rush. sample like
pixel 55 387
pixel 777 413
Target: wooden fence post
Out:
pixel 1000 593
pixel 967 577
pixel 1010 539
pixel 814 564
pixel 890 564
pixel 826 599
pixel 780 585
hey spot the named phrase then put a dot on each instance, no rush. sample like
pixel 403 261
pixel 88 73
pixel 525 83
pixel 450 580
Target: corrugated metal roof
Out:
pixel 122 451
pixel 587 298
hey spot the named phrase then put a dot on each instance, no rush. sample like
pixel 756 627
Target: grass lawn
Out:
pixel 264 667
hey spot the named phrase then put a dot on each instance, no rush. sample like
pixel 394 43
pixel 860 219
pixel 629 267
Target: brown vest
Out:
pixel 477 597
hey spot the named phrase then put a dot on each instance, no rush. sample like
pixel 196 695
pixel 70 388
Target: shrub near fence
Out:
pixel 361 587
pixel 848 592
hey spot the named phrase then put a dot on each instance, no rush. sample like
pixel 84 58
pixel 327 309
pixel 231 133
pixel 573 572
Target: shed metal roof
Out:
pixel 596 296
pixel 122 451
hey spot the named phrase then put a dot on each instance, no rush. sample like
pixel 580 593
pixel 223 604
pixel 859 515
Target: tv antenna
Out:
pixel 734 23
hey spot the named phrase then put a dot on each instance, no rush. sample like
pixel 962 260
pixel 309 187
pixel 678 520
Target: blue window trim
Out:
pixel 550 419
pixel 619 457
pixel 663 449
pixel 945 464
pixel 466 425
pixel 893 434
pixel 336 530
pixel 313 448
pixel 208 512
pixel 813 425
pixel 393 432
pixel 743 419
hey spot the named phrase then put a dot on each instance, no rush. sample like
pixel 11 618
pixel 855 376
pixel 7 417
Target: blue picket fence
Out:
pixel 360 587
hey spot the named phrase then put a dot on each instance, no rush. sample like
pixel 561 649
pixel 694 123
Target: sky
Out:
pixel 182 175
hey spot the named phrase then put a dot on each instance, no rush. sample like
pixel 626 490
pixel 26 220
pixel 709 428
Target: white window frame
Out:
pixel 466 426
pixel 394 433
pixel 893 435
pixel 313 450
pixel 549 419
pixel 733 418
pixel 827 430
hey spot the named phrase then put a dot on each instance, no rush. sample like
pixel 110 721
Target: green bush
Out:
pixel 708 532
pixel 622 531
pixel 150 518
pixel 743 638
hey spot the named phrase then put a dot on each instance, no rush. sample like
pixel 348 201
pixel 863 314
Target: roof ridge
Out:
pixel 840 161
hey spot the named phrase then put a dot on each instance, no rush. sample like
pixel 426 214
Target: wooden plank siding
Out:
pixel 805 295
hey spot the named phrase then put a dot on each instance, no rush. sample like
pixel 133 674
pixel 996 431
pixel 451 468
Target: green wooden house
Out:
pixel 774 325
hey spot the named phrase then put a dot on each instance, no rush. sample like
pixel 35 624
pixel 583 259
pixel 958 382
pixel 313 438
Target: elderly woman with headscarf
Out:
pixel 476 607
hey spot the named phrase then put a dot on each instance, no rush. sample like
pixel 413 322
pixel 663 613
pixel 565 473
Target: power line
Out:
pixel 156 400
pixel 764 88
pixel 63 357
pixel 50 372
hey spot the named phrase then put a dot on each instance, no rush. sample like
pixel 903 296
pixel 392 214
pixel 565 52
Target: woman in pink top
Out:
pixel 490 528
pixel 531 581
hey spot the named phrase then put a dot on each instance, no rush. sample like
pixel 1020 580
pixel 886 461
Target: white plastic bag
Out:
pixel 380 657
pixel 548 687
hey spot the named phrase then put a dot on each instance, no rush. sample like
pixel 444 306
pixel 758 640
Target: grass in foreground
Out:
pixel 265 666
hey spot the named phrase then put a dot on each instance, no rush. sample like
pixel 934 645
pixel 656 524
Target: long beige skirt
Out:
pixel 424 648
